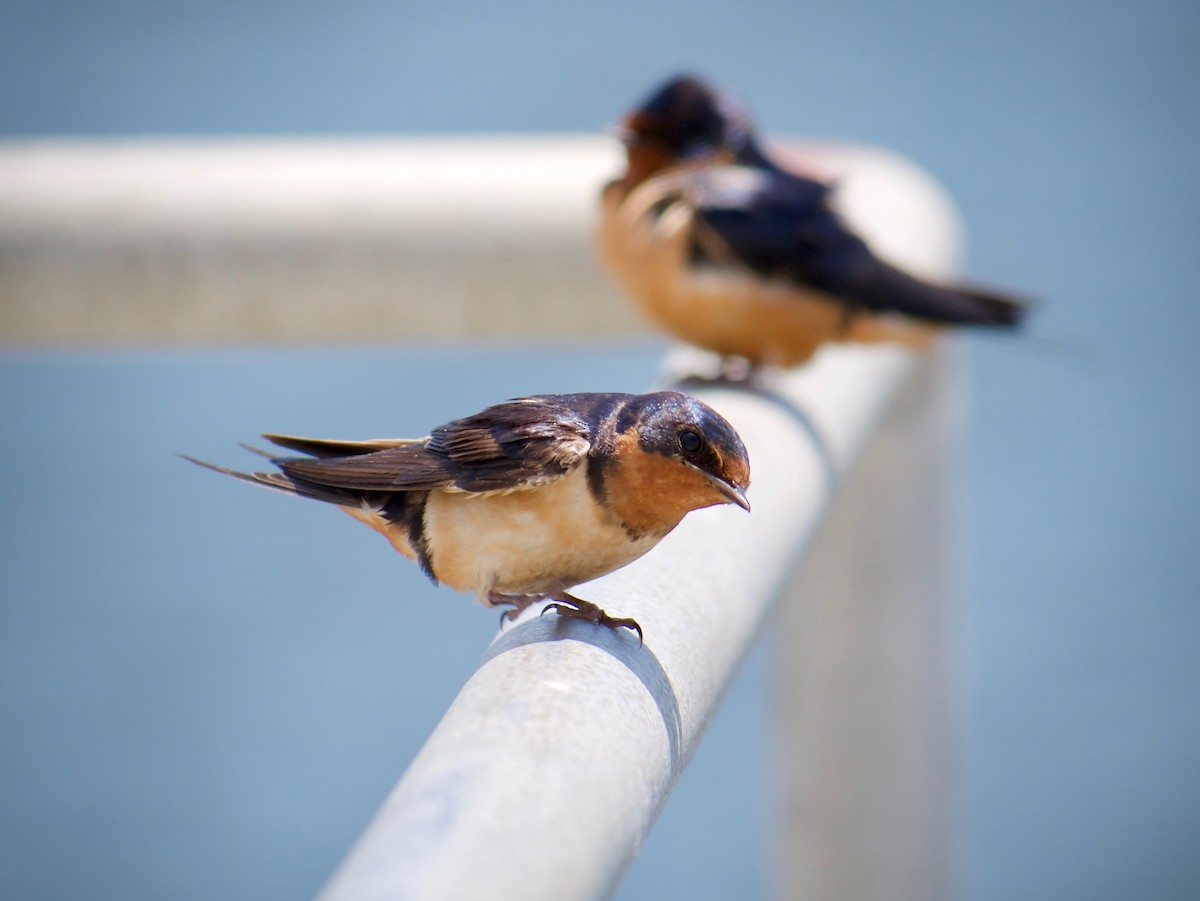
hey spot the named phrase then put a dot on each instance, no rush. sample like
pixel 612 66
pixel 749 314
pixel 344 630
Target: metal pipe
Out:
pixel 333 240
pixel 864 689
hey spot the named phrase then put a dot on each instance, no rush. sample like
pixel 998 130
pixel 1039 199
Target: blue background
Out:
pixel 184 716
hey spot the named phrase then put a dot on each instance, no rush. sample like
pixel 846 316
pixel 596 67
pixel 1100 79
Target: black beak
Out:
pixel 732 493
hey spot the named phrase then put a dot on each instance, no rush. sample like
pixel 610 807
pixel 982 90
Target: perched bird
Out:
pixel 531 497
pixel 732 252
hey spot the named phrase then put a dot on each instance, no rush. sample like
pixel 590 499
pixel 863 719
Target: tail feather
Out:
pixel 891 289
pixel 991 309
pixel 278 481
pixel 251 448
pixel 323 447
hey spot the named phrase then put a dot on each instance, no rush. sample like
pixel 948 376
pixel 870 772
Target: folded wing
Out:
pixel 782 226
pixel 510 446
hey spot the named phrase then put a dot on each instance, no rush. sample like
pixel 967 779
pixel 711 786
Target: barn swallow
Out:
pixel 732 252
pixel 530 497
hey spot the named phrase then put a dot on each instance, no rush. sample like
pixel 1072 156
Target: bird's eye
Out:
pixel 690 441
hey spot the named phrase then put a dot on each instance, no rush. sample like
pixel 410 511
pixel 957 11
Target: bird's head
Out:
pixel 682 121
pixel 675 454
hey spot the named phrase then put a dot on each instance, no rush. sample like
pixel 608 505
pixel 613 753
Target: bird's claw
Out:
pixel 621 622
pixel 589 612
pixel 732 371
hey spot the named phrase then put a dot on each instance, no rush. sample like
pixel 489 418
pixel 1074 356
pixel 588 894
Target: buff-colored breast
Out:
pixel 728 310
pixel 527 542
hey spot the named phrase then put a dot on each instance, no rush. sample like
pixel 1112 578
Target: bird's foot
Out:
pixel 737 369
pixel 519 603
pixel 732 370
pixel 575 608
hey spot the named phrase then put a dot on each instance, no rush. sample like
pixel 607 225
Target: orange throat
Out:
pixel 650 493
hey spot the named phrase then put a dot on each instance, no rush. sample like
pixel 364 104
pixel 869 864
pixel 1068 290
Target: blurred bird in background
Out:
pixel 730 251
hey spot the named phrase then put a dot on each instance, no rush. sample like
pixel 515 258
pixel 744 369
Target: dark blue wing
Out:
pixel 780 225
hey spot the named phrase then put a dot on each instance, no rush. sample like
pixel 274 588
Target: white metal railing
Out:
pixel 376 240
pixel 550 767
